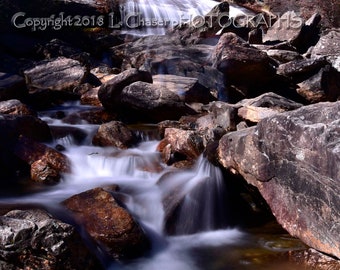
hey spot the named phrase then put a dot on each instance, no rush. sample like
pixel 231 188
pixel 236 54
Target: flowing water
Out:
pixel 203 239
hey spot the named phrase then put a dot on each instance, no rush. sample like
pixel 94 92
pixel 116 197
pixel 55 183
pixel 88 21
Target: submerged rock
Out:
pixel 108 223
pixel 292 158
pixel 32 239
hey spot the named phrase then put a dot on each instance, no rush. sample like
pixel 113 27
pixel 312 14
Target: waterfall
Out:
pixel 154 17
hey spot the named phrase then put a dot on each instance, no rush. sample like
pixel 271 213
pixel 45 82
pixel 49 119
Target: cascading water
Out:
pixel 190 203
pixel 153 17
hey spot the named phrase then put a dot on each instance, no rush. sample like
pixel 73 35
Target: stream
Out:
pixel 202 239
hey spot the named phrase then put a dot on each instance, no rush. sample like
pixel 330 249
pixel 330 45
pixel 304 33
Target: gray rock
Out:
pixel 323 86
pixel 14 106
pixel 292 158
pixel 188 89
pixel 109 93
pixel 237 61
pixel 283 56
pixel 33 239
pixel 153 102
pixel 328 46
pixel 60 74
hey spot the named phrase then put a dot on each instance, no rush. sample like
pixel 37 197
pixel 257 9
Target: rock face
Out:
pixel 114 133
pixel 108 223
pixel 60 74
pixel 292 158
pixel 32 239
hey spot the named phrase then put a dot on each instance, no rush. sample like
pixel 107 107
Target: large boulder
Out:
pixel 32 239
pixel 114 133
pixel 109 93
pixel 108 223
pixel 60 74
pixel 153 102
pixel 292 158
pixel 237 60
pixel 14 106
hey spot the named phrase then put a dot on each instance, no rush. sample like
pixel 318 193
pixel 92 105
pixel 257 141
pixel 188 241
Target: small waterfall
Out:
pixel 153 17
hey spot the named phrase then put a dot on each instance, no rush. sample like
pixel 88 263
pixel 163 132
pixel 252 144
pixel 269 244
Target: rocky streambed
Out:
pixel 132 152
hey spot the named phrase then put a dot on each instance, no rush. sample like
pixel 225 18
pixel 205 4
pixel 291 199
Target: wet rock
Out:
pixel 60 74
pixel 32 239
pixel 110 93
pixel 155 103
pixel 91 98
pixel 323 86
pixel 179 145
pixel 108 223
pixel 47 164
pixel 14 106
pixel 12 86
pixel 237 60
pixel 188 89
pixel 292 28
pixel 280 156
pixel 115 134
pixel 328 46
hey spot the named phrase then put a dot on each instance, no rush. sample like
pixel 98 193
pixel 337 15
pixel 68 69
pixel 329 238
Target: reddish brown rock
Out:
pixel 108 223
pixel 179 145
pixel 114 133
pixel 14 106
pixel 47 164
pixel 292 158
